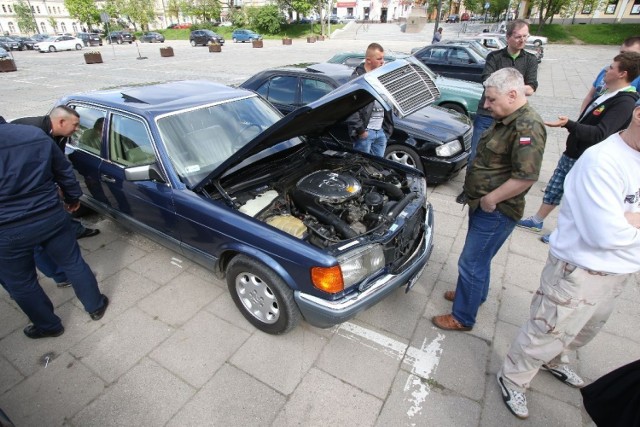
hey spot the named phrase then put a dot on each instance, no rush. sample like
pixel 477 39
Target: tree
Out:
pixel 53 23
pixel 84 11
pixel 475 6
pixel 173 9
pixel 206 10
pixel 25 18
pixel 265 19
pixel 548 8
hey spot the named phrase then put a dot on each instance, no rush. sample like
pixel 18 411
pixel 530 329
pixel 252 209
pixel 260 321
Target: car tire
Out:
pixel 119 41
pixel 235 40
pixel 251 284
pixel 404 155
pixel 193 43
pixel 455 107
pixel 52 49
pixel 537 43
pixel 78 46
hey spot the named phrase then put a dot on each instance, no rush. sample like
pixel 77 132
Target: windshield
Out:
pixel 199 140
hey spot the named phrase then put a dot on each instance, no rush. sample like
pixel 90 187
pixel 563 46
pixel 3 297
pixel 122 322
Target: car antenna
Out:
pixel 139 54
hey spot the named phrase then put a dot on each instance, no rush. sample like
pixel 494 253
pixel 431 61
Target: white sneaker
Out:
pixel 565 374
pixel 516 401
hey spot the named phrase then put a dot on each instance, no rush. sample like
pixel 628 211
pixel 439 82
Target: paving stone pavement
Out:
pixel 173 350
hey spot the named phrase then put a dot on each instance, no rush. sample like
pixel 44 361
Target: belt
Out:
pixel 570 268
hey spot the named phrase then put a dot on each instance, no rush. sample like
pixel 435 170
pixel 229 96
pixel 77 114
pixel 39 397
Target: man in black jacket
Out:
pixel 512 56
pixel 371 127
pixel 607 114
pixel 60 124
pixel 32 171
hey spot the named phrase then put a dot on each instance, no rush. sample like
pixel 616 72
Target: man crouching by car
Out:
pixel 370 127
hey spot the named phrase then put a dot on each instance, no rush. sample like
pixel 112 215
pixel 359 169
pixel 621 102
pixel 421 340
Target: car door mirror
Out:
pixel 144 173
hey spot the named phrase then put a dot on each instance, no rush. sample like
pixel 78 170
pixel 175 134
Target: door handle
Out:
pixel 107 178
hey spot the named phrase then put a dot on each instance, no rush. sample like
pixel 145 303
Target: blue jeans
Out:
pixel 18 271
pixel 480 124
pixel 486 235
pixel 44 262
pixel 375 143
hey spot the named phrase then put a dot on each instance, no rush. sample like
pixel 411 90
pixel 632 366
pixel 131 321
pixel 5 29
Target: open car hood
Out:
pixel 403 86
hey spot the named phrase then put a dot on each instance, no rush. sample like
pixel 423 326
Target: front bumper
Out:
pixel 438 169
pixel 323 314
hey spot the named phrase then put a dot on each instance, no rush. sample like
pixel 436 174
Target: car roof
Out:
pixel 339 72
pixel 161 98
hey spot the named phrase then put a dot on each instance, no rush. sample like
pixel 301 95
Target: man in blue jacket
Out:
pixel 32 169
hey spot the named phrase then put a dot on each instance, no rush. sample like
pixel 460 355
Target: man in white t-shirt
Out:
pixel 593 252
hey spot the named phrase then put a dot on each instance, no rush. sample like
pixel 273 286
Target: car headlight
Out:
pixel 449 149
pixel 352 268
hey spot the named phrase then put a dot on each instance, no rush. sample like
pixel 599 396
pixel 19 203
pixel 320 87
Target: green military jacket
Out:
pixel 510 148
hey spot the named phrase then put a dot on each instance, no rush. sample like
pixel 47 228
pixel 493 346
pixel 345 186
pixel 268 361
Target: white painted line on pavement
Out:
pixel 176 261
pixel 423 361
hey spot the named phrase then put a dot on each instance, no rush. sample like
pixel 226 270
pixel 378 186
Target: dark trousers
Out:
pixel 18 270
pixel 44 262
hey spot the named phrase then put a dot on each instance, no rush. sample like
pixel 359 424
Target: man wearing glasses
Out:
pixel 512 56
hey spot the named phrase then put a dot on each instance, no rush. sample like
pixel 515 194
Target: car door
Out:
pixel 282 92
pixel 462 65
pixel 129 144
pixel 435 58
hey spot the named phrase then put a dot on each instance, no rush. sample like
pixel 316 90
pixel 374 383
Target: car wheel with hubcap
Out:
pixel 404 155
pixel 78 46
pixel 235 40
pixel 455 107
pixel 193 43
pixel 119 41
pixel 262 297
pixel 52 48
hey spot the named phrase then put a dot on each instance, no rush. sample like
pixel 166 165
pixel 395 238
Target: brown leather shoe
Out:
pixel 450 295
pixel 449 323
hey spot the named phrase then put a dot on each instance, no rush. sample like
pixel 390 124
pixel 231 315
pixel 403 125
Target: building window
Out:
pixel 12 28
pixel 75 27
pixel 4 8
pixel 635 9
pixel 586 9
pixel 38 9
pixel 43 27
pixel 33 9
pixel 63 28
pixel 49 9
pixel 611 8
pixel 10 10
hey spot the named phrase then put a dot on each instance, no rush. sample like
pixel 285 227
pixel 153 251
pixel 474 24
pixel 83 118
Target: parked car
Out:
pixel 4 53
pixel 333 19
pixel 151 37
pixel 26 43
pixel 432 140
pixel 242 35
pixel 54 44
pixel 465 17
pixel 40 37
pixel 90 39
pixel 451 60
pixel 452 19
pixel 299 226
pixel 457 95
pixel 8 43
pixel 120 37
pixel 204 37
pixel 475 44
pixel 182 26
pixel 496 41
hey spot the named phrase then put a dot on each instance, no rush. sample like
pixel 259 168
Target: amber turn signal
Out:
pixel 327 279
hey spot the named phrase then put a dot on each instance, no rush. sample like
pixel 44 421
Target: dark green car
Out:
pixel 458 95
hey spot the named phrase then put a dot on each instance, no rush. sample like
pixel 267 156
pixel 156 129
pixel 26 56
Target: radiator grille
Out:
pixel 411 87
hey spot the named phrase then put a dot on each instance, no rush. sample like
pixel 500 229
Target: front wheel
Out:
pixel 119 41
pixel 455 107
pixel 193 43
pixel 235 40
pixel 78 46
pixel 262 297
pixel 404 155
pixel 52 48
pixel 537 43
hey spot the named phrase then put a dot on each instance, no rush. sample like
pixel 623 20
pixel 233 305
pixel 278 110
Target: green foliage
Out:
pixel 205 10
pixel 475 6
pixel 265 19
pixel 238 18
pixel 607 34
pixel 83 10
pixel 173 9
pixel 24 17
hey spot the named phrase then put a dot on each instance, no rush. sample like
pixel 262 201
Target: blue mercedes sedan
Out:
pixel 300 226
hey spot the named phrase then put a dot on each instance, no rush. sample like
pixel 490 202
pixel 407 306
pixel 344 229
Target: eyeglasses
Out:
pixel 521 37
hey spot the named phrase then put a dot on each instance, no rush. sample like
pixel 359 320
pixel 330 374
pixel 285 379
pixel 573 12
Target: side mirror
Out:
pixel 144 173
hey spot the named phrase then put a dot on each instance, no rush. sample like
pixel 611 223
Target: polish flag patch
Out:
pixel 525 140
